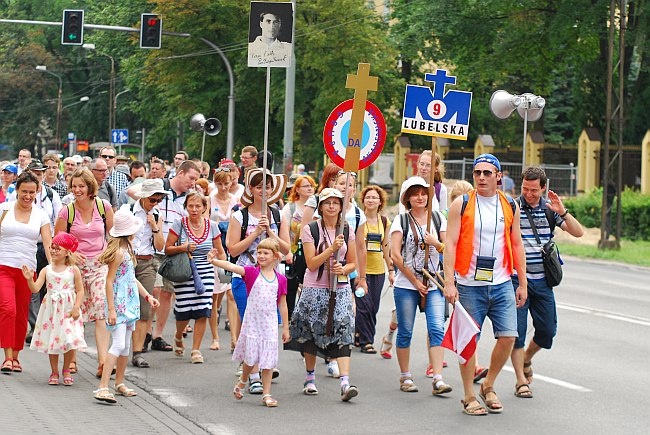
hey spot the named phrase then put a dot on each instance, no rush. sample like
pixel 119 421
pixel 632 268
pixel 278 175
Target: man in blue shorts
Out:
pixel 483 246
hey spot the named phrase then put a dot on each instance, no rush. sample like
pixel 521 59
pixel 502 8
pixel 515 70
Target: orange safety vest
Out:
pixel 465 249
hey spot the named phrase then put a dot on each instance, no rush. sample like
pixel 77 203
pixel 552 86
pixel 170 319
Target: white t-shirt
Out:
pixel 414 259
pixel 18 238
pixel 488 217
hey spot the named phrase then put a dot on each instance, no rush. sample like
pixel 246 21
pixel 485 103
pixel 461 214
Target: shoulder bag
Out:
pixel 176 268
pixel 550 256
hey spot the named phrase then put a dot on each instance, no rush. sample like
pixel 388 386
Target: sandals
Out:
pixel 123 390
pixel 179 351
pixel 480 373
pixel 67 379
pixel 369 349
pixel 54 379
pixel 145 345
pixel 7 366
pixel 17 367
pixel 309 389
pixel 528 371
pixel 386 347
pixel 188 330
pixel 73 367
pixel 477 409
pixel 215 344
pixel 238 391
pixel 139 361
pixel 407 387
pixel 269 401
pixel 232 346
pixel 103 395
pixel 527 393
pixel 493 405
pixel 440 387
pixel 159 343
pixel 197 357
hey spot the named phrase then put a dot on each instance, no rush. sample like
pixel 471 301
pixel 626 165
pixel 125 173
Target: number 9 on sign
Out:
pixel 437 109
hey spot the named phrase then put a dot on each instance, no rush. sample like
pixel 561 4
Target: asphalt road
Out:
pixel 594 380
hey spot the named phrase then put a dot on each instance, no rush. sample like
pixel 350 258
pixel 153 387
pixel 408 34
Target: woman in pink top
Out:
pixel 89 227
pixel 322 325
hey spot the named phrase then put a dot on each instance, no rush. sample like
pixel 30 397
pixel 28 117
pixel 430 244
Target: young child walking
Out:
pixel 258 340
pixel 59 328
pixel 122 301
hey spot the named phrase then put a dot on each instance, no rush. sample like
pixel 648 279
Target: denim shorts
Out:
pixel 406 304
pixel 240 296
pixel 541 304
pixel 494 301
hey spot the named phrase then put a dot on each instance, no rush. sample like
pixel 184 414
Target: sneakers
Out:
pixel 440 387
pixel 348 392
pixel 310 388
pixel 276 374
pixel 256 387
pixel 333 369
pixel 406 384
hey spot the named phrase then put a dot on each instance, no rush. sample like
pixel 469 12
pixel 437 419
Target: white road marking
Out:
pixel 558 382
pixel 643 321
pixel 171 398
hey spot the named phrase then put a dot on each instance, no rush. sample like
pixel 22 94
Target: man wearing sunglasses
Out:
pixel 146 242
pixel 117 179
pixel 106 191
pixel 483 246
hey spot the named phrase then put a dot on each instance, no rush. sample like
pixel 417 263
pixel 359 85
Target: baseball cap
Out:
pixel 35 165
pixel 488 158
pixel 9 167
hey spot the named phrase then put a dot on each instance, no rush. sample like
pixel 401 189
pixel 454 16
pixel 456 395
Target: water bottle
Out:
pixel 359 292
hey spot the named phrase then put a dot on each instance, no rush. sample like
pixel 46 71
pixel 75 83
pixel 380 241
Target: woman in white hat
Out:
pixel 247 228
pixel 195 235
pixel 319 328
pixel 408 258
pixel 146 242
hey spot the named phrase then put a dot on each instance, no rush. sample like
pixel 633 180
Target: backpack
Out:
pixel 49 193
pixel 275 212
pixel 100 207
pixel 404 222
pixel 299 262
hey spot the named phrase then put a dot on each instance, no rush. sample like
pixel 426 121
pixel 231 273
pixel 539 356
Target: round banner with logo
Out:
pixel 337 127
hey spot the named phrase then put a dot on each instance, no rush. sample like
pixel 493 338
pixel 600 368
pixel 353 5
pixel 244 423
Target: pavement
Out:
pixel 39 408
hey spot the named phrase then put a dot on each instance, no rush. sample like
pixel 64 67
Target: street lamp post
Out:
pixel 115 112
pixel 111 92
pixel 59 108
pixel 72 144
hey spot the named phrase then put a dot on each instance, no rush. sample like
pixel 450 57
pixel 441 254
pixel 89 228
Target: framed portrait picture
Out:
pixel 270 34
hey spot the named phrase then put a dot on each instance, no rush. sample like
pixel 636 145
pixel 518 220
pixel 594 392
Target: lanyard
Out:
pixel 496 222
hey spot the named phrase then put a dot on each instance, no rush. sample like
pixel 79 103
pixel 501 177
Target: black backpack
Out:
pixel 299 262
pixel 275 212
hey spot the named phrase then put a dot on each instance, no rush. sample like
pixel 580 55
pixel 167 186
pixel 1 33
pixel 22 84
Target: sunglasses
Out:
pixel 155 200
pixel 105 157
pixel 353 174
pixel 485 172
pixel 221 170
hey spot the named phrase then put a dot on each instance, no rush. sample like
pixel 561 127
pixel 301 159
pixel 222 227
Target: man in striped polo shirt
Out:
pixel 541 300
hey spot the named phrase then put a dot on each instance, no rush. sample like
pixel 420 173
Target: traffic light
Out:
pixel 73 27
pixel 150 31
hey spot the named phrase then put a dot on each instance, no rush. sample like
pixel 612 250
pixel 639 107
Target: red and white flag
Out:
pixel 461 334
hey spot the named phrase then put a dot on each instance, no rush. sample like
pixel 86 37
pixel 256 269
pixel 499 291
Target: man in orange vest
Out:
pixel 483 246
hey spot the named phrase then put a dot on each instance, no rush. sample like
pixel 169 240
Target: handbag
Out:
pixel 176 268
pixel 550 256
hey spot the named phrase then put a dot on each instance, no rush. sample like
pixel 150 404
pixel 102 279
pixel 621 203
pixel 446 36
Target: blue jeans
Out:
pixel 406 304
pixel 541 304
pixel 494 301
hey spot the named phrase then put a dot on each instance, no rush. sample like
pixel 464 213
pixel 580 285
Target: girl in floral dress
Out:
pixel 59 328
pixel 258 339
pixel 122 301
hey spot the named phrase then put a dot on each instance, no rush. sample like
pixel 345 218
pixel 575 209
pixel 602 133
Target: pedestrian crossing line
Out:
pixel 558 382
pixel 643 321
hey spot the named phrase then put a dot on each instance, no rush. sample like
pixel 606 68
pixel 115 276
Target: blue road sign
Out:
pixel 437 113
pixel 120 136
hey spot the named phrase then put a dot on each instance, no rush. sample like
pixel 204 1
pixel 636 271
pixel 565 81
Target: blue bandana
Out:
pixel 488 158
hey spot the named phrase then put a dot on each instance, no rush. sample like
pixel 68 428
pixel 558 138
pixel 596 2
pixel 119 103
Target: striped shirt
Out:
pixel 534 264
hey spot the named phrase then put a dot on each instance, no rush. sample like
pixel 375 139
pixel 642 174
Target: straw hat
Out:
pixel 125 224
pixel 410 182
pixel 279 182
pixel 150 187
pixel 66 241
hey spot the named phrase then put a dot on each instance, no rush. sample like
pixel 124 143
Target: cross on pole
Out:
pixel 362 82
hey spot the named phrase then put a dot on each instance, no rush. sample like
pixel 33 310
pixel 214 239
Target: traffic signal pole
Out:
pixel 230 137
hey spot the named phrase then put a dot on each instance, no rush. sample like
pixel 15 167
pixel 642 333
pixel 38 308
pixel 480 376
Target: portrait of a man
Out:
pixel 270 34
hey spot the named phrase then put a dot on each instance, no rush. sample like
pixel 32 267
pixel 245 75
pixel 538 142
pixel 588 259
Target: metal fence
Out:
pixel 561 178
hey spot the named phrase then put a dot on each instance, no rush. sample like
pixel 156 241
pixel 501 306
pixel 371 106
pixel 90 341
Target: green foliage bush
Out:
pixel 635 212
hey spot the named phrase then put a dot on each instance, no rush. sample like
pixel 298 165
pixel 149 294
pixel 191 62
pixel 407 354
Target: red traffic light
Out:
pixel 150 31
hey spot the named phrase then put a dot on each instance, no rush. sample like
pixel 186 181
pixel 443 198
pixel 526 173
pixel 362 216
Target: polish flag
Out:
pixel 461 334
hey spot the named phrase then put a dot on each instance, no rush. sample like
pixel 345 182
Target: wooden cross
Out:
pixel 362 82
